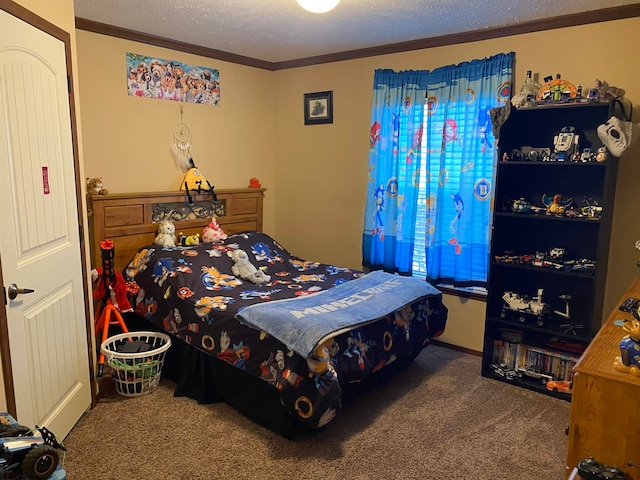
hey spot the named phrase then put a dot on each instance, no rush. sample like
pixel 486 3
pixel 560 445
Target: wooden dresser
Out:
pixel 605 408
pixel 130 219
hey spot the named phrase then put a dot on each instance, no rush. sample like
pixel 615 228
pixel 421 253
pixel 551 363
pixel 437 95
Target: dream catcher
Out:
pixel 181 148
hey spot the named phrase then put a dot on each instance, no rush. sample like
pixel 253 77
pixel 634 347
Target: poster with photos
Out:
pixel 150 77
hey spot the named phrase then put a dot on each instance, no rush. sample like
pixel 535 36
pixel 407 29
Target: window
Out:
pixel 431 170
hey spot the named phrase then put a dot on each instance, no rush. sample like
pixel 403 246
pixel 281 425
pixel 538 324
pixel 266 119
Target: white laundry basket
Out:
pixel 136 374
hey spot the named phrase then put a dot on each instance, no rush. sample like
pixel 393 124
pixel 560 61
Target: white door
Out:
pixel 39 235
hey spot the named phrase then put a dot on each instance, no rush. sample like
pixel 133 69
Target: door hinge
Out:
pixel 4 295
pixel 69 84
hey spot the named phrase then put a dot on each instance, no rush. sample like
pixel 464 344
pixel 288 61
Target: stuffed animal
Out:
pixel 194 182
pixel 189 240
pixel 94 187
pixel 243 268
pixel 629 359
pixel 166 234
pixel 212 232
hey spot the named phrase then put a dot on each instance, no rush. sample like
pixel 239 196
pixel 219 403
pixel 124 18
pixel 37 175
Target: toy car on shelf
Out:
pixel 30 453
pixel 506 258
pixel 563 386
pixel 556 253
pixel 584 265
pixel 503 370
pixel 525 259
pixel 552 264
pixel 590 469
pixel 533 371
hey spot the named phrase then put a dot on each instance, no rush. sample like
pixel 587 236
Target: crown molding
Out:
pixel 585 18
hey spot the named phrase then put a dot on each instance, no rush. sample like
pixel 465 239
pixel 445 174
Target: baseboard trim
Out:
pixel 457 348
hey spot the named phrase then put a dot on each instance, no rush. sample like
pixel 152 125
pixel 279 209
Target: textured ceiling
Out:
pixel 280 30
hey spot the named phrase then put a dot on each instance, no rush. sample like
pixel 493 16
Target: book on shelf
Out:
pixel 519 356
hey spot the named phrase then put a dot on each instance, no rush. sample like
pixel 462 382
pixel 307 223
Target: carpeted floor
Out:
pixel 437 420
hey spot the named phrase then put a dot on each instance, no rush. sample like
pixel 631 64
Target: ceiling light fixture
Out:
pixel 318 6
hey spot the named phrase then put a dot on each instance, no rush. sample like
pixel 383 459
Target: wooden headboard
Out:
pixel 130 219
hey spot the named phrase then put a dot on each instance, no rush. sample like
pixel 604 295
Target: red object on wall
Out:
pixel 45 180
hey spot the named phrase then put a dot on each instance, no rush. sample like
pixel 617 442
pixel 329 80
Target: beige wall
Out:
pixel 316 175
pixel 58 12
pixel 127 139
pixel 321 170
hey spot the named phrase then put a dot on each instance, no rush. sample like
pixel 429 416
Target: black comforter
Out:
pixel 191 293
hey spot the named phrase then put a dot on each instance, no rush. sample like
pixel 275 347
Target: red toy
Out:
pixel 110 293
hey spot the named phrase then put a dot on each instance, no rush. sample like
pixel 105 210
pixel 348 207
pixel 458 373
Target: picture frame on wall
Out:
pixel 318 108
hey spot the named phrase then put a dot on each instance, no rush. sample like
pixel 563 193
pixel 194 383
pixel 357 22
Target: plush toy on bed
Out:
pixel 166 234
pixel 243 268
pixel 212 232
pixel 189 240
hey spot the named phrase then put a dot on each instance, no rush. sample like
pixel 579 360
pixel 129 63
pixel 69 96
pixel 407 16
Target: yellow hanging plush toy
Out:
pixel 195 182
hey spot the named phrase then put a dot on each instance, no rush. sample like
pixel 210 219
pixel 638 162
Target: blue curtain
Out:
pixel 394 165
pixel 432 163
pixel 460 163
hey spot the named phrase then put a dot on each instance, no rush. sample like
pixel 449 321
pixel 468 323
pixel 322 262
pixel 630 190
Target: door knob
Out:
pixel 14 291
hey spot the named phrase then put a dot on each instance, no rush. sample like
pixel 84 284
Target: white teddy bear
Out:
pixel 166 234
pixel 243 268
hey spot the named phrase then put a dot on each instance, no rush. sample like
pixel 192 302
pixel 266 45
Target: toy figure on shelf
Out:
pixel 591 209
pixel 568 326
pixel 556 90
pixel 524 305
pixel 629 359
pixel 565 144
pixel 528 92
pixel 603 92
pixel 555 204
pixel 521 206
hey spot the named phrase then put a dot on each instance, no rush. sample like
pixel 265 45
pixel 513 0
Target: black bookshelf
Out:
pixel 555 304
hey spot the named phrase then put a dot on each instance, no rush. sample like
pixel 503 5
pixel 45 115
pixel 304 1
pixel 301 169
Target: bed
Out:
pixel 241 342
